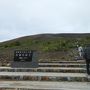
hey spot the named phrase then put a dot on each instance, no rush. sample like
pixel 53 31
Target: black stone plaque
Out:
pixel 25 59
pixel 23 55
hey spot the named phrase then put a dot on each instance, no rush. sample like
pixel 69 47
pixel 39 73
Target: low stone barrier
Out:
pixel 44 78
pixel 61 65
pixel 43 70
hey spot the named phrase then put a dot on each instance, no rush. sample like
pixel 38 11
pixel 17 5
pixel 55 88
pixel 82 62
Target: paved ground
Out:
pixel 38 85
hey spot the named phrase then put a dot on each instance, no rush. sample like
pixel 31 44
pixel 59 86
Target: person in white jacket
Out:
pixel 80 50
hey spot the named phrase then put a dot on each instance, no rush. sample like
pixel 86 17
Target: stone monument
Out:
pixel 25 59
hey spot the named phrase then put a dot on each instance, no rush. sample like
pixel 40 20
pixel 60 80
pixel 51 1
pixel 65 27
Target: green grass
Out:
pixel 54 47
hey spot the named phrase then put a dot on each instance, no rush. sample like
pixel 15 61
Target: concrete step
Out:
pixel 61 65
pixel 45 69
pixel 40 85
pixel 43 76
pixel 82 61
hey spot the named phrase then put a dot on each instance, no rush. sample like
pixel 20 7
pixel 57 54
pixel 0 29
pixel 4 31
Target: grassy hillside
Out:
pixel 48 46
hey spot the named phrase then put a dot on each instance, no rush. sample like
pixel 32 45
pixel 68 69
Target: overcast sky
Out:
pixel 26 17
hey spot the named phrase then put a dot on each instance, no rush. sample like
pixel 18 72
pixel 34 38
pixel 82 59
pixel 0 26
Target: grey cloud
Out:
pixel 26 17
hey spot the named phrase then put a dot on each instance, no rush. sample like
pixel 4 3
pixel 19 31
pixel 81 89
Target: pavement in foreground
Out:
pixel 38 85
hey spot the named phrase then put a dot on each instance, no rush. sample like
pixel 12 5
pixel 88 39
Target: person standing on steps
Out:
pixel 86 55
pixel 80 50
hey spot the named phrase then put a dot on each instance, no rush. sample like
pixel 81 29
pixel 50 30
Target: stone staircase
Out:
pixel 55 71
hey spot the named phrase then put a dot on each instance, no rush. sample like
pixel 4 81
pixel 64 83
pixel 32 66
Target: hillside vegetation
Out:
pixel 48 46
